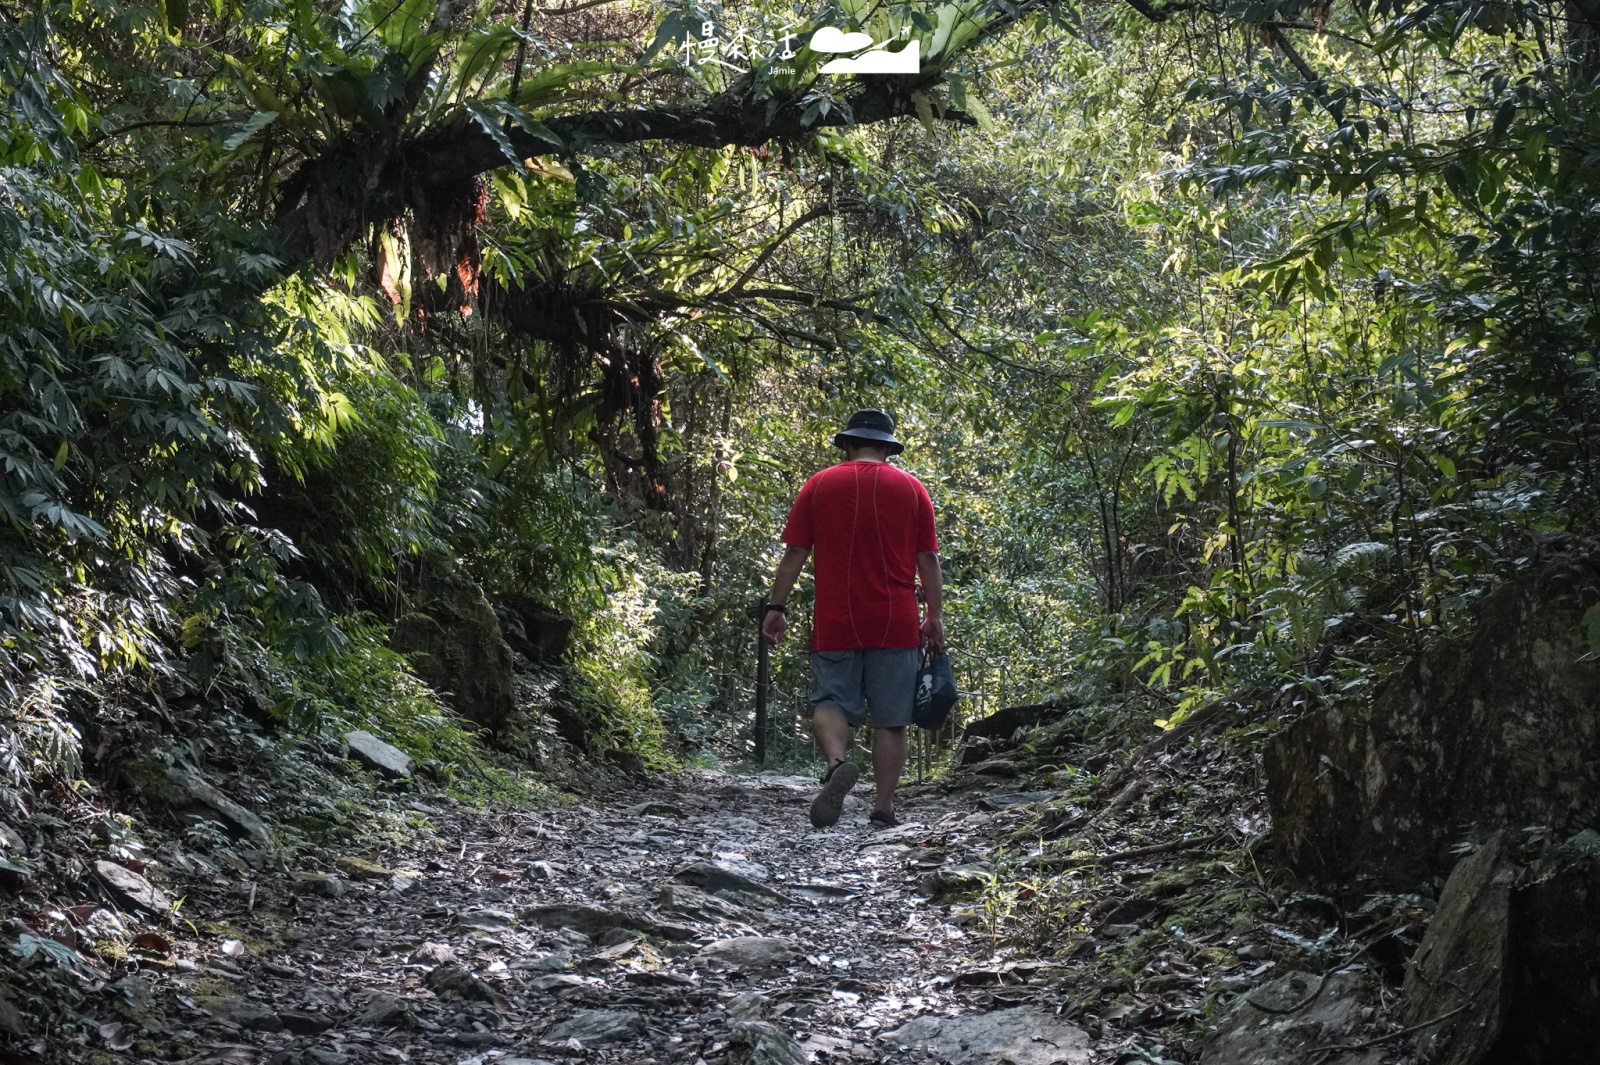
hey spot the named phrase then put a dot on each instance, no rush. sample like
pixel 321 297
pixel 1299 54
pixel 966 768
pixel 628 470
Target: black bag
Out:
pixel 936 691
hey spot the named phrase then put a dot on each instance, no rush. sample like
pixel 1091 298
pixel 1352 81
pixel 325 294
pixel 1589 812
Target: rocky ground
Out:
pixel 701 919
pixel 1047 902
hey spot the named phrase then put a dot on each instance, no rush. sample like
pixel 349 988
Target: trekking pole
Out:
pixel 763 652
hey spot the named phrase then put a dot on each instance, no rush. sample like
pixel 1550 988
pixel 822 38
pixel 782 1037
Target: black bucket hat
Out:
pixel 869 427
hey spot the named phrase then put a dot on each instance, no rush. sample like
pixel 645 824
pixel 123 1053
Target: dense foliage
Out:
pixel 1241 345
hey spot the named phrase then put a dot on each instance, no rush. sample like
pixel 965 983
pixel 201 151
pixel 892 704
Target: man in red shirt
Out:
pixel 871 526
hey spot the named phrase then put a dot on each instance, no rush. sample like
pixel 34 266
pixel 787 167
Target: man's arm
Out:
pixel 932 578
pixel 794 560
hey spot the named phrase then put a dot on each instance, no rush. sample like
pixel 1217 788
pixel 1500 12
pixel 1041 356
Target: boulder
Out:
pixel 455 644
pixel 1373 795
pixel 535 631
pixel 1554 969
pixel 1003 723
pixel 1460 972
pixel 1290 1019
pixel 377 755
pixel 1022 1035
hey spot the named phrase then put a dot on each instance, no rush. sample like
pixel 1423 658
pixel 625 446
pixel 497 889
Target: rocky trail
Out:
pixel 697 920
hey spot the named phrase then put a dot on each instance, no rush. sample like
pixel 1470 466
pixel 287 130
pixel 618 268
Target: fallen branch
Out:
pixel 1131 854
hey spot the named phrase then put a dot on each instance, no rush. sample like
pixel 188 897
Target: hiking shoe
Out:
pixel 829 803
pixel 884 819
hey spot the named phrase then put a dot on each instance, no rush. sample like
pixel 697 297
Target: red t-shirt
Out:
pixel 866 522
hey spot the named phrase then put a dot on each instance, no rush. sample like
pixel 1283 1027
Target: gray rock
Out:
pixel 454 642
pixel 598 1027
pixel 556 983
pixel 319 884
pixel 432 954
pixel 657 978
pixel 722 876
pixel 486 919
pixel 758 1043
pixel 555 961
pixel 1023 1035
pixel 595 920
pixel 541 872
pixel 696 905
pixel 749 1006
pixel 377 755
pixel 131 890
pixel 749 953
pixel 996 767
pixel 189 789
pixel 382 1010
pixel 1303 1013
pixel 452 979
pixel 244 1013
pixel 1372 793
pixel 305 1022
pixel 653 809
pixel 325 1056
pixel 1461 968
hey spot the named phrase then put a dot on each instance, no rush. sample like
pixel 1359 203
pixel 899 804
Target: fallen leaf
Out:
pixel 155 944
pixel 232 948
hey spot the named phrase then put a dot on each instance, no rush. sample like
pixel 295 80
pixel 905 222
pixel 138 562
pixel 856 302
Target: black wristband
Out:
pixel 779 607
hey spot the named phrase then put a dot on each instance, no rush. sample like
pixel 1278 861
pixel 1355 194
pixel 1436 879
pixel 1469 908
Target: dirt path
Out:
pixel 699 920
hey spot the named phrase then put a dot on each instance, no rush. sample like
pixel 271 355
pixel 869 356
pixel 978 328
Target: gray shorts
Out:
pixel 882 679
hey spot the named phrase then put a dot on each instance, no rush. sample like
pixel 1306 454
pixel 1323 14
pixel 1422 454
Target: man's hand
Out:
pixel 773 626
pixel 933 632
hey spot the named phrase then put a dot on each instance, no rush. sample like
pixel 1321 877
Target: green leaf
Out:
pixel 252 125
pixel 175 16
pixel 400 25
pixel 482 50
pixel 1591 628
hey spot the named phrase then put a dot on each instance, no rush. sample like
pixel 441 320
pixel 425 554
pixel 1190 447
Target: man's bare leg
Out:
pixel 889 747
pixel 833 740
pixel 833 733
